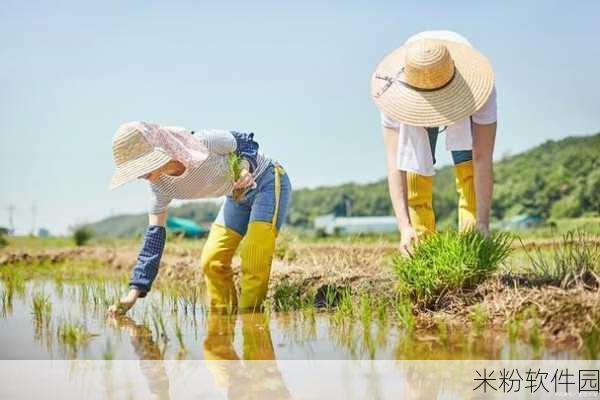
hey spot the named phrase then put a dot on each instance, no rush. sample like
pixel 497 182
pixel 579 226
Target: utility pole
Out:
pixel 11 210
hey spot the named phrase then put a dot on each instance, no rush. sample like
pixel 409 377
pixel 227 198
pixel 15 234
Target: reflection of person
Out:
pixel 256 378
pixel 437 79
pixel 182 165
pixel 149 355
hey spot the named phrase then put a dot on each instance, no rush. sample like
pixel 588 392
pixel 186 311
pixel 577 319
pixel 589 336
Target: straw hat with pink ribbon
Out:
pixel 141 147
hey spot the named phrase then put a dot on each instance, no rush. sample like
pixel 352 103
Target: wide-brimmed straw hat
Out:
pixel 134 156
pixel 432 82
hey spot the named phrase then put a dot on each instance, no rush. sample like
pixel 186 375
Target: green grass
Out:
pixel 41 308
pixel 575 260
pixel 73 334
pixel 449 261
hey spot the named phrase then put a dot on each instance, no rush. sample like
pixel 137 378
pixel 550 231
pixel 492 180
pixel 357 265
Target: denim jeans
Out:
pixel 258 204
pixel 458 156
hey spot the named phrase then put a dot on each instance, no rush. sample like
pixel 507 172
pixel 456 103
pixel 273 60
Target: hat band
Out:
pixel 391 80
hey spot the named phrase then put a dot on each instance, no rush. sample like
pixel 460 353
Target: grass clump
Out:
pixel 41 308
pixel 73 334
pixel 449 261
pixel 575 260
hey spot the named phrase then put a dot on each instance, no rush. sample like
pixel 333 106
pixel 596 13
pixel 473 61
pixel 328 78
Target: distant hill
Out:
pixel 557 179
pixel 132 225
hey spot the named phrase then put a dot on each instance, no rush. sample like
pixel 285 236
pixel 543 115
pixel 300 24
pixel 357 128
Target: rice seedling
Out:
pixel 591 343
pixel 179 335
pixel 235 171
pixel 345 306
pixel 447 262
pixel 366 309
pixel 535 336
pixel 159 323
pixel 287 296
pixel 7 301
pixel 513 327
pixel 479 319
pixel 404 315
pixel 331 295
pixel 41 309
pixel 575 260
pixel 73 335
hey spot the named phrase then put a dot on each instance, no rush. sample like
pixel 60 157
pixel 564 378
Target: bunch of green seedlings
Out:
pixel 41 309
pixel 575 260
pixel 72 334
pixel 449 261
pixel 235 171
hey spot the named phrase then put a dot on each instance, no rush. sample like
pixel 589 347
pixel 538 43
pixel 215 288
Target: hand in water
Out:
pixel 124 304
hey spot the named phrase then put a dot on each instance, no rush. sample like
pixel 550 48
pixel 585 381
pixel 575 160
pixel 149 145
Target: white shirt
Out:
pixel 414 151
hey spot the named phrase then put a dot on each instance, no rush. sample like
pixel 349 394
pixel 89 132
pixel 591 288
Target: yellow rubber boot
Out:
pixel 216 266
pixel 257 255
pixel 420 203
pixel 465 186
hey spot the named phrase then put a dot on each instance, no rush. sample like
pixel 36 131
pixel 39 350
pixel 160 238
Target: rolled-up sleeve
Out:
pixel 389 122
pixel 218 141
pixel 159 202
pixel 488 113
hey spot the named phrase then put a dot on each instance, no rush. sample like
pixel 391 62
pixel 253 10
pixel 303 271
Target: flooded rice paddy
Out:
pixel 49 319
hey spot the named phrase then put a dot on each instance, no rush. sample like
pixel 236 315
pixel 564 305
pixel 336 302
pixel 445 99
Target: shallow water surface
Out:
pixel 69 322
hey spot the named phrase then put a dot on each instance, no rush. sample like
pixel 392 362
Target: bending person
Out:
pixel 437 82
pixel 180 164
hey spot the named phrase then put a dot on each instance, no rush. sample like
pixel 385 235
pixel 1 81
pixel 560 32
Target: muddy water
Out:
pixel 164 326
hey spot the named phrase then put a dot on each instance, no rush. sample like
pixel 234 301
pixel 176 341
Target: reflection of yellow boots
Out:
pixel 218 347
pixel 257 337
pixel 216 265
pixel 420 202
pixel 465 186
pixel 257 254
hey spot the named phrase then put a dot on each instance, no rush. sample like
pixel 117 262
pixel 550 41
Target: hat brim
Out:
pixel 138 167
pixel 466 93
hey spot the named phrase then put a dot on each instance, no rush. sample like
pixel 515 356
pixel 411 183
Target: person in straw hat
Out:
pixel 436 82
pixel 180 164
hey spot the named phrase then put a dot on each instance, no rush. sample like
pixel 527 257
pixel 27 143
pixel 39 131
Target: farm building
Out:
pixel 186 227
pixel 330 224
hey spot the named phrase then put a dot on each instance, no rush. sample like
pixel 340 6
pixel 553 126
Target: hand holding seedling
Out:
pixel 245 180
pixel 408 240
pixel 240 174
pixel 124 304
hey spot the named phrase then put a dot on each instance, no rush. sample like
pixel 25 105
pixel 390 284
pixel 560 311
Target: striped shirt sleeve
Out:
pixel 217 140
pixel 159 202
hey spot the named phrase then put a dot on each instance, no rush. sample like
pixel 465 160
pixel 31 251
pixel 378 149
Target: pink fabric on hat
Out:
pixel 178 143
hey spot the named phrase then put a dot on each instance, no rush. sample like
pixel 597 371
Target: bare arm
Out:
pixel 396 179
pixel 484 138
pixel 157 219
pixel 398 189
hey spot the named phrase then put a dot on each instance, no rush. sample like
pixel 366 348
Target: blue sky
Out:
pixel 296 74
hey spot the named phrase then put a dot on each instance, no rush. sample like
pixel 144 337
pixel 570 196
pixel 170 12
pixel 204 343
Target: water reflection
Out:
pixel 261 380
pixel 147 350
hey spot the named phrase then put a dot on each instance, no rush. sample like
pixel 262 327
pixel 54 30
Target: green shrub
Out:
pixel 82 235
pixel 449 261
